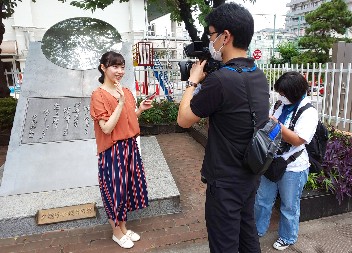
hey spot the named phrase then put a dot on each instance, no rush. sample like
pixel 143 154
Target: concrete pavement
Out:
pixel 184 232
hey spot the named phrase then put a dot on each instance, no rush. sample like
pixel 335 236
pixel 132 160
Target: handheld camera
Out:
pixel 197 50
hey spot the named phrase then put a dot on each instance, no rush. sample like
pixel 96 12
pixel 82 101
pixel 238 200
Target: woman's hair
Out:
pixel 109 59
pixel 293 85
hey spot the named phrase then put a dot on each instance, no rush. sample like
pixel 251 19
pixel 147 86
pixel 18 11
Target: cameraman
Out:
pixel 231 188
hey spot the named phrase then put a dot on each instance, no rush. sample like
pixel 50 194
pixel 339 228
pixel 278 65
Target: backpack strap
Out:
pixel 276 106
pixel 295 116
pixel 292 126
pixel 294 156
pixel 248 90
pixel 298 114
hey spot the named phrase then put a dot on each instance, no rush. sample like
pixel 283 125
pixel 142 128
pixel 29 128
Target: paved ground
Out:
pixel 184 232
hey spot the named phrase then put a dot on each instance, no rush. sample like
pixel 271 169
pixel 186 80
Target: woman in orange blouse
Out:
pixel 122 180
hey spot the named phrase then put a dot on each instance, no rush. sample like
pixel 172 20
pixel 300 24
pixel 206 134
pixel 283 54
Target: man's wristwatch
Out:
pixel 190 83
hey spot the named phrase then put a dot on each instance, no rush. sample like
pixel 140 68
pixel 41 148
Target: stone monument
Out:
pixel 51 160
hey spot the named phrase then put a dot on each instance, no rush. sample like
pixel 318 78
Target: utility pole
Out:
pixel 299 26
pixel 274 36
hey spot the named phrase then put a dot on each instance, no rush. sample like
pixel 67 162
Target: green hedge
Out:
pixel 7 113
pixel 162 112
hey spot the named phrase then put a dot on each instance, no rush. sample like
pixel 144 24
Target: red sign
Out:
pixel 257 54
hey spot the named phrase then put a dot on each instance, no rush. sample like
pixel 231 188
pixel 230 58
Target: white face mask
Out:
pixel 216 55
pixel 284 100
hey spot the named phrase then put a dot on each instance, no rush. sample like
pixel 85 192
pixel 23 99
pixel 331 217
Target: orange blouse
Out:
pixel 102 105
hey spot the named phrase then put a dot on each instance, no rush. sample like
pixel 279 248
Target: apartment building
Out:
pixel 295 21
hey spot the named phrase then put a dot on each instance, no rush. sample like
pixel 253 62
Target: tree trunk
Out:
pixel 186 16
pixel 4 90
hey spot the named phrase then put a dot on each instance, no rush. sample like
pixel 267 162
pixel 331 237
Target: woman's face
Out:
pixel 284 99
pixel 114 73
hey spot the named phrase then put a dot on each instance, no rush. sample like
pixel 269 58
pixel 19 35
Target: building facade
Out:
pixel 295 21
pixel 266 41
pixel 134 20
pixel 31 20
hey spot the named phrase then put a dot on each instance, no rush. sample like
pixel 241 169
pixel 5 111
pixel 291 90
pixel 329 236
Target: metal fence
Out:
pixel 329 86
pixel 164 78
pixel 14 82
pixel 329 89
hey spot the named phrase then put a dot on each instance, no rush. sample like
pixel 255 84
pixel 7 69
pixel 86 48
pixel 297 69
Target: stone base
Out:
pixel 17 213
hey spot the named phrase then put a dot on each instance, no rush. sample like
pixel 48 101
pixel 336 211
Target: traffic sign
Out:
pixel 257 54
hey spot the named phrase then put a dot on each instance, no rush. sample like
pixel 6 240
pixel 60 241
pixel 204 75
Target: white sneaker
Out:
pixel 133 236
pixel 280 244
pixel 125 242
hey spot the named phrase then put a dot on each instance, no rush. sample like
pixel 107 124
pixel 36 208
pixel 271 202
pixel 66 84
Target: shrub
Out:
pixel 337 165
pixel 162 112
pixel 7 113
pixel 336 175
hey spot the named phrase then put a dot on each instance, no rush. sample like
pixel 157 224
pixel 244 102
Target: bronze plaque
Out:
pixel 67 213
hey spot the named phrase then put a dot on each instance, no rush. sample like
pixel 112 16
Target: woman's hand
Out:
pixel 273 118
pixel 145 104
pixel 120 92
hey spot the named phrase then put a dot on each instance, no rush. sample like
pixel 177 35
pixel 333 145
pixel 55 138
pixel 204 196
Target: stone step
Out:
pixel 17 213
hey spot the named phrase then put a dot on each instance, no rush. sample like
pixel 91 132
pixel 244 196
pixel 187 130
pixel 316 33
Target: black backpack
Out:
pixel 317 147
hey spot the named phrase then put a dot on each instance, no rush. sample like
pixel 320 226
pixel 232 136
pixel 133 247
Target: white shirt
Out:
pixel 305 128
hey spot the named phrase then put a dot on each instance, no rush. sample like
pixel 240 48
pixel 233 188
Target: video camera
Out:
pixel 196 49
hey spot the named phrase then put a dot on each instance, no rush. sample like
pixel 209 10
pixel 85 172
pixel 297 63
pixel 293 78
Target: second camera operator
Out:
pixel 231 188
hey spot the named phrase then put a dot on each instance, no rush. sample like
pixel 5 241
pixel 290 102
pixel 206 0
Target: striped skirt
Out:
pixel 122 180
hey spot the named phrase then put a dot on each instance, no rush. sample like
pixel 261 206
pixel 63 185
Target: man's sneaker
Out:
pixel 280 244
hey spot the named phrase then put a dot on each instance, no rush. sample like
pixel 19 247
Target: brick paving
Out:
pixel 184 157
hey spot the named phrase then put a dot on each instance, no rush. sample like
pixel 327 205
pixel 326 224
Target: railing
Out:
pixel 329 89
pixel 329 86
pixel 14 81
pixel 148 82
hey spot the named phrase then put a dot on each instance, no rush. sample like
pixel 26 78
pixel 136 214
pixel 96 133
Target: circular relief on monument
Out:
pixel 78 43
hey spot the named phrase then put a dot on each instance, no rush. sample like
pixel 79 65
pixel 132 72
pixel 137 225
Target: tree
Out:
pixel 181 10
pixel 287 51
pixel 325 22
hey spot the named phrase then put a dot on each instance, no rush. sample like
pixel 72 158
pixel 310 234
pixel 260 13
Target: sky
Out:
pixel 263 12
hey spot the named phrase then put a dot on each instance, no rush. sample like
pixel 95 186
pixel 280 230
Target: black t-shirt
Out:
pixel 223 98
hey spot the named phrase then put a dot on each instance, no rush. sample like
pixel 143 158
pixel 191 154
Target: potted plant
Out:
pixel 161 118
pixel 7 114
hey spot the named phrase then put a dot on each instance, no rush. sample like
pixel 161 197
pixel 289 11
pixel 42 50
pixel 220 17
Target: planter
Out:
pixel 314 204
pixel 160 129
pixel 199 134
pixel 318 204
